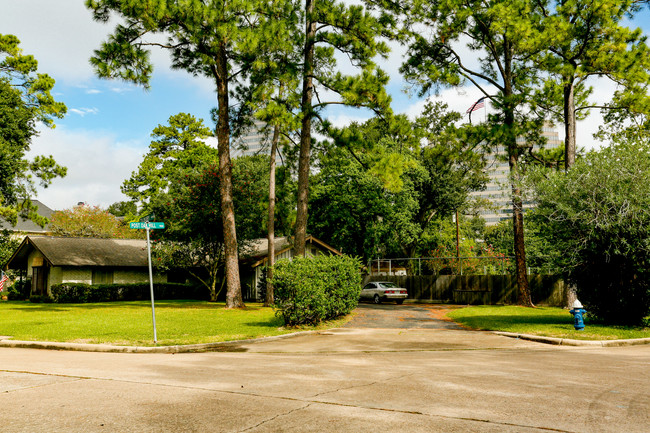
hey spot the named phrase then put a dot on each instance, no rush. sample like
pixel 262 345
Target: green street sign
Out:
pixel 145 225
pixel 148 218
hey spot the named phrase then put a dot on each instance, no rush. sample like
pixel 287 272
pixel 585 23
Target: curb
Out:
pixel 570 342
pixel 225 346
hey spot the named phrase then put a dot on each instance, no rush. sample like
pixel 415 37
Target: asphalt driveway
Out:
pixel 406 316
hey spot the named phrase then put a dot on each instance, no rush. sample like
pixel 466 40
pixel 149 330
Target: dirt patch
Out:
pixel 439 311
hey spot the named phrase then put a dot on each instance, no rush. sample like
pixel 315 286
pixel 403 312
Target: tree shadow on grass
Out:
pixel 131 305
pixel 274 324
pixel 493 321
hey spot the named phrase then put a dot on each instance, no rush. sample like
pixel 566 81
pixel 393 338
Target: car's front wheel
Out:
pixel 376 299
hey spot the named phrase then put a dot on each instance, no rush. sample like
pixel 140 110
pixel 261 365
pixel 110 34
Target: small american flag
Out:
pixel 2 281
pixel 478 104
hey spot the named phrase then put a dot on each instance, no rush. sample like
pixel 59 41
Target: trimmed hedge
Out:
pixel 79 293
pixel 310 290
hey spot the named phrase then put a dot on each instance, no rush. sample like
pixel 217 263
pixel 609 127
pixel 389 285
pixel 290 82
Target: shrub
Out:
pixel 38 299
pixel 20 290
pixel 597 216
pixel 613 289
pixel 310 290
pixel 83 293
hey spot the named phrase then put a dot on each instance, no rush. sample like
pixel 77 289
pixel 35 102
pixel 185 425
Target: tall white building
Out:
pixel 252 142
pixel 498 189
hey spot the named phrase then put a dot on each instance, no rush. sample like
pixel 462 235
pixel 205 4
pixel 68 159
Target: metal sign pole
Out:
pixel 153 308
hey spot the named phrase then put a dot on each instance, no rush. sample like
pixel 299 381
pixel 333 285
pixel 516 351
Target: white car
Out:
pixel 379 291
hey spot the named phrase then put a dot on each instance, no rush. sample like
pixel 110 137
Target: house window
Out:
pixel 101 276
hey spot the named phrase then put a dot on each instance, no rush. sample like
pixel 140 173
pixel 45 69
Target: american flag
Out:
pixel 2 281
pixel 478 104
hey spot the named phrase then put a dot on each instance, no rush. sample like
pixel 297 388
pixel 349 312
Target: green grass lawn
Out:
pixel 130 323
pixel 551 322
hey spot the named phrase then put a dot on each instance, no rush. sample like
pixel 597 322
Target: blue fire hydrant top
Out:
pixel 578 321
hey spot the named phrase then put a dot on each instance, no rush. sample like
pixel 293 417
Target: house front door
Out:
pixel 39 280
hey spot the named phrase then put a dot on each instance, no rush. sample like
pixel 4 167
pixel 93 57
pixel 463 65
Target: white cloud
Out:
pixel 341 120
pixel 63 38
pixel 83 111
pixel 97 165
pixel 93 91
pixel 457 99
pixel 122 89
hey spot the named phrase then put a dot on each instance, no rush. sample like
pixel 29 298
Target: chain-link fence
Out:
pixel 503 265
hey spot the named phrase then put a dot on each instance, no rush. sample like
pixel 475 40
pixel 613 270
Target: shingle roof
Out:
pixel 29 226
pixel 260 247
pixel 60 251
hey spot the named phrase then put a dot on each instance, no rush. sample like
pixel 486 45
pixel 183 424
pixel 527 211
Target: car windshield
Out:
pixel 387 285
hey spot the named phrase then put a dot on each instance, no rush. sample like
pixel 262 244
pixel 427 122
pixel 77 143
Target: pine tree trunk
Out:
pixel 231 258
pixel 517 202
pixel 269 300
pixel 571 292
pixel 305 132
pixel 524 297
pixel 569 125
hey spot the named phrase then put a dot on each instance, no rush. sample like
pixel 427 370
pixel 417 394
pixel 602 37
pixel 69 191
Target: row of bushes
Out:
pixel 308 291
pixel 82 293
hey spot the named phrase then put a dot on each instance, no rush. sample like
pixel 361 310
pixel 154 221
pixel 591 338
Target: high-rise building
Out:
pixel 498 193
pixel 252 142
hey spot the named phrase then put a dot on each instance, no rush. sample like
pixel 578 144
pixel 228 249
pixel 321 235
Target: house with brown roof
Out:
pixel 49 260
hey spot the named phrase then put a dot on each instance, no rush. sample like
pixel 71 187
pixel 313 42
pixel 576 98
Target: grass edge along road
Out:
pixel 130 323
pixel 542 321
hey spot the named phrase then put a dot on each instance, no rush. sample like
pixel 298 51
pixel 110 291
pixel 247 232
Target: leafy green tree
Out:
pixel 193 238
pixel 347 206
pixel 25 99
pixel 178 149
pixel 380 189
pixel 622 126
pixel 255 169
pixel 274 99
pixel 487 44
pixel 543 251
pixel 8 246
pixel 125 209
pixel 582 39
pixel 598 220
pixel 332 27
pixel 91 222
pixel 216 39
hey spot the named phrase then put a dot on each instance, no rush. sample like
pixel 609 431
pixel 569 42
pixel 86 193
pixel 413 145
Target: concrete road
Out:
pixel 355 379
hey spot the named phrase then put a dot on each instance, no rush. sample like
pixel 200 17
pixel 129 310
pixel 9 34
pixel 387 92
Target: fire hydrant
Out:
pixel 578 311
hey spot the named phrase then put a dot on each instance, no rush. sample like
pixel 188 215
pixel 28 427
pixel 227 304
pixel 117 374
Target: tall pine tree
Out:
pixel 486 44
pixel 333 28
pixel 217 39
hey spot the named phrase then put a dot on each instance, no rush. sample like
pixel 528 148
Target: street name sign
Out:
pixel 147 225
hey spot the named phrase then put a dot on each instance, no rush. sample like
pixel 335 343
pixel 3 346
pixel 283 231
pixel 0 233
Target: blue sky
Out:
pixel 106 132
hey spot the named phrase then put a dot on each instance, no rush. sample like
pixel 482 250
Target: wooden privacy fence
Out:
pixel 478 289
